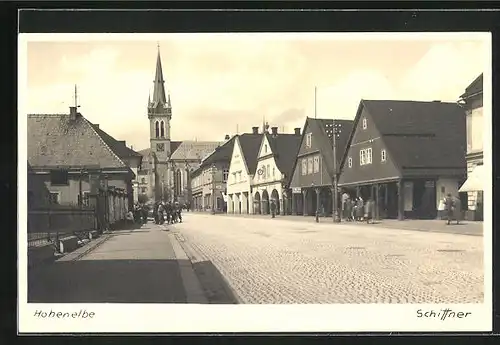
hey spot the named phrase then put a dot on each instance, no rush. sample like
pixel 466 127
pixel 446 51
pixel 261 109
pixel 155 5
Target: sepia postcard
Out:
pixel 259 182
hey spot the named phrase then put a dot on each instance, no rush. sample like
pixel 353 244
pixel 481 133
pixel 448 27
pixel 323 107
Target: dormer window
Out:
pixel 383 156
pixel 349 161
pixel 365 125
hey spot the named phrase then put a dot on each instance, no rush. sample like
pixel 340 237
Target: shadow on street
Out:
pixel 107 281
pixel 214 284
pixel 122 281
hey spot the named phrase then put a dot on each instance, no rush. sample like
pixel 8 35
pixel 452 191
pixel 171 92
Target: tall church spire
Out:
pixel 159 87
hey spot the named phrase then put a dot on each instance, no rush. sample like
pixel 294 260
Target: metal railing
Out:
pixel 49 225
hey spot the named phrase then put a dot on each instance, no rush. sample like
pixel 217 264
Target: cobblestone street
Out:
pixel 281 261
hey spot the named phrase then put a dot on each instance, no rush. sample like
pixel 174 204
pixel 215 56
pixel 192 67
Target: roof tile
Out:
pixel 421 134
pixel 55 141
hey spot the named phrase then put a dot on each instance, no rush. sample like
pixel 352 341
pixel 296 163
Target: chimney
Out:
pixel 97 125
pixel 255 130
pixel 227 137
pixel 131 147
pixel 297 131
pixel 274 131
pixel 122 142
pixel 72 113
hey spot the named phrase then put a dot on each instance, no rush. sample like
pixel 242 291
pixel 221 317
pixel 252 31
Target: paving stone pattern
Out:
pixel 275 261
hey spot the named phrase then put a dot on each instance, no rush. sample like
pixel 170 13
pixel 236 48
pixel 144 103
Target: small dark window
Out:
pixel 59 177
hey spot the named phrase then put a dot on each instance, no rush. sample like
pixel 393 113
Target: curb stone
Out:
pixel 86 249
pixel 196 255
pixel 192 285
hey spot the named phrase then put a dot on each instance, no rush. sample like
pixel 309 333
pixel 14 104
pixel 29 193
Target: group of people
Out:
pixel 138 214
pixel 356 209
pixel 167 211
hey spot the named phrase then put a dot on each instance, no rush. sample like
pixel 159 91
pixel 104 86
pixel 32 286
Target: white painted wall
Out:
pixel 475 136
pixel 271 178
pixel 239 179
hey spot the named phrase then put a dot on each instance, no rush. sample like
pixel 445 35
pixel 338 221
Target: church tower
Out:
pixel 159 115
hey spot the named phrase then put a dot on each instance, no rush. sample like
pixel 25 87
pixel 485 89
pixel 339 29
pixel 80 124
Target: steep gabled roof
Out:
pixel 250 144
pixel 285 148
pixel 419 134
pixel 54 140
pixel 194 150
pixel 322 130
pixel 117 146
pixel 221 153
pixel 474 88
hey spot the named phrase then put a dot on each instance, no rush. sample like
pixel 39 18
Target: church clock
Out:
pixel 160 147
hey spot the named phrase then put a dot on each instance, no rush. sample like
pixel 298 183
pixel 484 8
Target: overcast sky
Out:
pixel 224 82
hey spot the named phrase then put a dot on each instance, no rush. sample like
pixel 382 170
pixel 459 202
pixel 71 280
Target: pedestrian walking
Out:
pixel 273 208
pixel 155 212
pixel 441 208
pixel 348 209
pixel 161 214
pixel 179 213
pixel 168 212
pixel 359 209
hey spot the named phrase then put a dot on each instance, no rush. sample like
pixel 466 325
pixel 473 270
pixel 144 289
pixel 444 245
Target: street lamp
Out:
pixel 335 211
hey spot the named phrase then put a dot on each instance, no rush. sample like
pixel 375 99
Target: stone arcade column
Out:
pixel 230 203
pixel 284 203
pixel 318 201
pixel 377 201
pixel 244 203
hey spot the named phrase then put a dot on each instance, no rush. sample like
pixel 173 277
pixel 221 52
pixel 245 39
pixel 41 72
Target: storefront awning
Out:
pixel 475 180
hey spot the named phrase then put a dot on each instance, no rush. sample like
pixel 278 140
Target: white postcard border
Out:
pixel 124 318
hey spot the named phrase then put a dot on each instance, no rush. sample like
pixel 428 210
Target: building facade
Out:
pixel 166 165
pixel 277 153
pixel 79 164
pixel 313 172
pixel 406 156
pixel 472 102
pixel 208 182
pixel 242 169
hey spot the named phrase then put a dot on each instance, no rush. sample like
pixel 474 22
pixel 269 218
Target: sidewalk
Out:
pixel 464 228
pixel 145 265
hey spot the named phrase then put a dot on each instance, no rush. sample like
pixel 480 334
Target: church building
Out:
pixel 166 165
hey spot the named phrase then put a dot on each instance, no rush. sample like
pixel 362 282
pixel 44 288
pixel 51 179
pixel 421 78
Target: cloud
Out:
pixel 445 71
pixel 341 99
pixel 219 84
